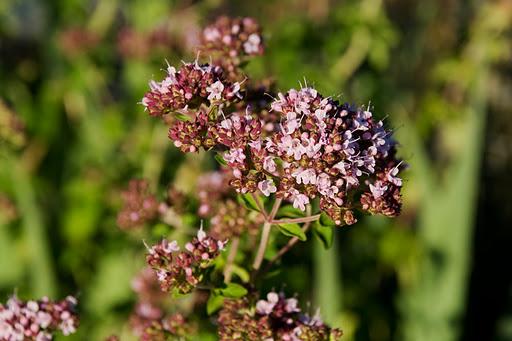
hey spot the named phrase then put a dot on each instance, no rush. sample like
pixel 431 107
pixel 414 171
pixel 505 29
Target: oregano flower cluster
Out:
pixel 276 318
pixel 140 206
pixel 319 148
pixel 37 320
pixel 182 271
pixel 188 87
pixel 149 319
pixel 231 41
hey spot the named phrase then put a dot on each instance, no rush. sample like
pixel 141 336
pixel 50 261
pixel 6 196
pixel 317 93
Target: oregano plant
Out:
pixel 289 165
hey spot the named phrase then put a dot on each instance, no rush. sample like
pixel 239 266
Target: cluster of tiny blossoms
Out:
pixel 188 87
pixel 230 41
pixel 179 270
pixel 37 320
pixel 140 206
pixel 276 318
pixel 234 36
pixel 149 299
pixel 149 320
pixel 338 153
pixel 331 151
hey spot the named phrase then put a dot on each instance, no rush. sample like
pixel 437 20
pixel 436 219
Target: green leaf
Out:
pixel 220 159
pixel 289 211
pixel 324 233
pixel 292 230
pixel 181 117
pixel 241 273
pixel 325 220
pixel 248 201
pixel 233 290
pixel 214 303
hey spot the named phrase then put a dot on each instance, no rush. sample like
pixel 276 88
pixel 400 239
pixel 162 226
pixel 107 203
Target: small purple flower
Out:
pixel 267 187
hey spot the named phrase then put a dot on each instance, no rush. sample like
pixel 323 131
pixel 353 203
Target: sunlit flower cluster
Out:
pixel 320 148
pixel 181 271
pixel 140 206
pixel 37 320
pixel 235 36
pixel 188 87
pixel 276 318
pixel 229 41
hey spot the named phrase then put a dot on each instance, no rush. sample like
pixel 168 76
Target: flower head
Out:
pixel 183 270
pixel 37 320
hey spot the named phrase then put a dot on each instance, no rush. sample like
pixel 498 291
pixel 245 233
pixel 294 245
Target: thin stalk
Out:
pixel 265 234
pixel 228 270
pixel 328 287
pixel 260 206
pixel 155 160
pixel 42 273
pixel 297 220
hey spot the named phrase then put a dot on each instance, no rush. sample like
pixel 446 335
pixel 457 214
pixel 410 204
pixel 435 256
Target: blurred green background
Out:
pixel 440 71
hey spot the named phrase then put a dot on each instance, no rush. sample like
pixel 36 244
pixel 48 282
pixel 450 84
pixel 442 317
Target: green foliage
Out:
pixel 248 201
pixel 292 230
pixel 324 233
pixel 288 211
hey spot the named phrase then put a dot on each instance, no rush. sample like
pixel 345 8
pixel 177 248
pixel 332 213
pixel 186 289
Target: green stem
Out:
pixel 265 234
pixel 327 283
pixel 297 220
pixel 41 268
pixel 228 270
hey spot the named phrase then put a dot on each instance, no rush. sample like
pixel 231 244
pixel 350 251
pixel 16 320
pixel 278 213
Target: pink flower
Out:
pixel 234 156
pixel 305 177
pixel 269 164
pixel 201 235
pixel 265 307
pixel 211 34
pixel 267 187
pixel 170 247
pixel 291 123
pixel 292 305
pixel 392 177
pixel 252 45
pixel 378 190
pixel 215 91
pixel 299 200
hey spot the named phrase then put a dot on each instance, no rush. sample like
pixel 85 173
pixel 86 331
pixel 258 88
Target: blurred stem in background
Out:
pixel 328 288
pixel 42 274
pixel 433 306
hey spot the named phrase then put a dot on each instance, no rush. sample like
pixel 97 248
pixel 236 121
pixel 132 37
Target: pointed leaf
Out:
pixel 248 201
pixel 325 220
pixel 233 290
pixel 220 159
pixel 324 233
pixel 292 230
pixel 241 273
pixel 181 117
pixel 214 303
